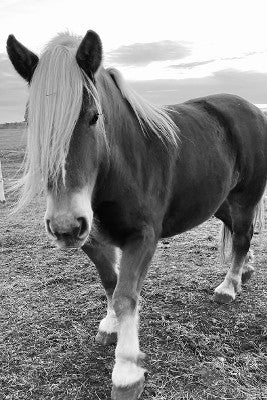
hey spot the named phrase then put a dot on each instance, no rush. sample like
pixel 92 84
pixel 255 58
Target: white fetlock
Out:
pixel 126 373
pixel 249 258
pixel 228 289
pixel 109 324
pixel 248 269
pixel 247 272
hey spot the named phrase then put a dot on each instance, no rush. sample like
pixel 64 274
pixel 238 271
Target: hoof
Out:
pixel 132 392
pixel 222 298
pixel 105 338
pixel 247 275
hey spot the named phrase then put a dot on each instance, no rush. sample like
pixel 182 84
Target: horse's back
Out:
pixel 245 130
pixel 244 123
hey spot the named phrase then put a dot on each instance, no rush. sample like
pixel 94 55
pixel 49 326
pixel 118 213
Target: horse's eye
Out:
pixel 94 119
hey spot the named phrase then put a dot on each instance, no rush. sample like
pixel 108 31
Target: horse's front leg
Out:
pixel 128 375
pixel 105 258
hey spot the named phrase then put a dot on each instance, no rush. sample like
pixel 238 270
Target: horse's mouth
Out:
pixel 69 243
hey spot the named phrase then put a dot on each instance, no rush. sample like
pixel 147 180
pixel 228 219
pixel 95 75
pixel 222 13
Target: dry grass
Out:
pixel 52 302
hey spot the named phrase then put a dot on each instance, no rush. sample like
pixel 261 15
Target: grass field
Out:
pixel 52 302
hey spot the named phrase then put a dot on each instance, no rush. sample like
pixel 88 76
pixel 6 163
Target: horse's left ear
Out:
pixel 89 53
pixel 23 60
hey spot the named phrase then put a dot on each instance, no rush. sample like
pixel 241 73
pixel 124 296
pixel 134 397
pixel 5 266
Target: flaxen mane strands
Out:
pixel 151 117
pixel 55 100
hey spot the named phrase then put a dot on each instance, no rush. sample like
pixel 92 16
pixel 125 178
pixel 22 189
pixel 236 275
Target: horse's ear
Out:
pixel 23 60
pixel 89 53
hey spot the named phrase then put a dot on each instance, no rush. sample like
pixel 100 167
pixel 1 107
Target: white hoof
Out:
pixel 132 392
pixel 223 298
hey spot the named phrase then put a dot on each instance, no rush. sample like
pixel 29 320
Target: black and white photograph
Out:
pixel 133 168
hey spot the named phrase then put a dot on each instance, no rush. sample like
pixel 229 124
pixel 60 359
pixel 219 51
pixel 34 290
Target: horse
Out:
pixel 119 174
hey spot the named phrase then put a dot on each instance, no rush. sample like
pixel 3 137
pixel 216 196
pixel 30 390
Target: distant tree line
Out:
pixel 13 125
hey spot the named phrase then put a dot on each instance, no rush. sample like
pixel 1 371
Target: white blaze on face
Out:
pixel 69 216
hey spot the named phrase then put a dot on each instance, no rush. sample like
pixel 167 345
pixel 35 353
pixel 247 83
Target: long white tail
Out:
pixel 258 221
pixel 225 243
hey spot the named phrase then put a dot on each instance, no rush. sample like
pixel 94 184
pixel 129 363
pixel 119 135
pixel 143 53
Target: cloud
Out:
pixel 191 64
pixel 141 54
pixel 251 53
pixel 248 84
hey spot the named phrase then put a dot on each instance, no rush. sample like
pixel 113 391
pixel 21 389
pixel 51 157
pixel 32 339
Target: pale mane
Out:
pixel 152 118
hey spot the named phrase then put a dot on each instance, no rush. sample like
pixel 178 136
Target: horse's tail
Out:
pixel 258 221
pixel 225 243
pixel 226 235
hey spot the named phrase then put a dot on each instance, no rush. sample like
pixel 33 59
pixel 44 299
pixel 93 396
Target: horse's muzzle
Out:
pixel 67 232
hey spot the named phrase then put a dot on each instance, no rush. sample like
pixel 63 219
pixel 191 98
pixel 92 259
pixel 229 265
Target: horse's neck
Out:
pixel 132 153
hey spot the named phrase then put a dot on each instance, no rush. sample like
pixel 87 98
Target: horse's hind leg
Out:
pixel 104 256
pixel 224 214
pixel 242 231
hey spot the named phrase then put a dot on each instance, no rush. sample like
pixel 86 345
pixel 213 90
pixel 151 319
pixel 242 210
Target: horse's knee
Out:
pixel 123 305
pixel 241 242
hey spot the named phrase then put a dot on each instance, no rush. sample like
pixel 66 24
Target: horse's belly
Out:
pixel 190 207
pixel 184 221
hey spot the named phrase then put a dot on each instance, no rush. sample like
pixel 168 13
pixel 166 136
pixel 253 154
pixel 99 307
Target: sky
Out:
pixel 169 51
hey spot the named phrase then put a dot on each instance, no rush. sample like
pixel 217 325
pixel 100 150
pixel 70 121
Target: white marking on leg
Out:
pixel 109 324
pixel 128 343
pixel 232 282
pixel 250 257
pixel 230 286
pixel 126 372
pixel 249 261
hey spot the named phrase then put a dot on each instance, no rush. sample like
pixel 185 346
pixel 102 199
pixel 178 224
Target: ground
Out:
pixel 52 302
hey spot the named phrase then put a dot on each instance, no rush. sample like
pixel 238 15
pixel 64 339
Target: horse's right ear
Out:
pixel 89 53
pixel 23 60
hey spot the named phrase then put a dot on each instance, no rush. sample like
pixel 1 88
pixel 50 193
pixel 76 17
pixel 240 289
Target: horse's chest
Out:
pixel 117 222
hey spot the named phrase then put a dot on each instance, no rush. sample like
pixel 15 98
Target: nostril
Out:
pixel 48 227
pixel 83 227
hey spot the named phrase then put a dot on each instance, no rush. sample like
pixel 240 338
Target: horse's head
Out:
pixel 65 131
